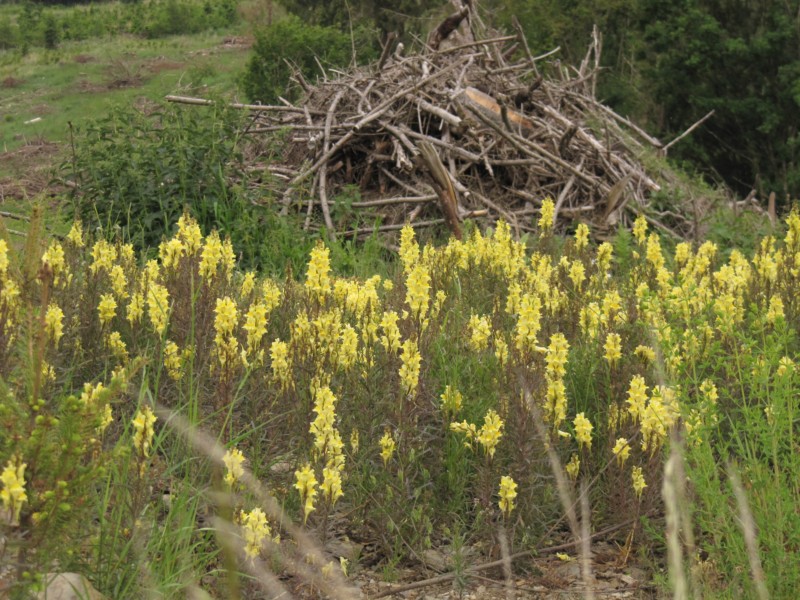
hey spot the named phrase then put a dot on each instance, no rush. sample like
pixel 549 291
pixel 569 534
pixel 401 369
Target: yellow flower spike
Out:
pixel 410 367
pixel 118 347
pixel 547 215
pixel 227 316
pixel 13 495
pixel 233 460
pixel 54 257
pixel 107 308
pixel 143 423
pixel 409 250
pixel 158 307
pixel 318 280
pixel 306 484
pixel 622 451
pixel 103 255
pixel 190 234
pixel 210 256
pixel 170 252
pixel 354 441
pixel 480 330
pixel 646 353
pixel 331 485
pixel 451 400
pixel 583 430
pixel 248 284
pixel 613 349
pixel 637 397
pixel 388 445
pixel 508 492
pixel 54 323
pixel 135 309
pixel 119 283
pixel 573 466
pixel 418 291
pixel 390 339
pixel 75 235
pixel 491 432
pixel 638 481
pixel 255 529
pixel 640 229
pixel 581 236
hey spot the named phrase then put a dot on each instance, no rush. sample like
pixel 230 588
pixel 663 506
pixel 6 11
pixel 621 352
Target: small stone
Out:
pixel 68 586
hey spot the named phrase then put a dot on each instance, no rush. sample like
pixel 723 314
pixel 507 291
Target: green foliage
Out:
pixel 292 41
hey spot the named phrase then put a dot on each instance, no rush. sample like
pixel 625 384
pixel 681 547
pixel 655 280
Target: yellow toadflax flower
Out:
pixel 573 466
pixel 451 400
pixel 387 446
pixel 211 256
pixel 581 236
pixel 143 431
pixel 547 215
pixel 157 307
pixel 255 529
pixel 53 322
pixel 307 486
pixel 13 494
pixel 622 450
pixel 613 348
pixel 638 481
pixel 318 279
pixel 480 330
pixel 331 485
pixel 409 369
pixel 491 432
pixel 107 308
pixel 233 460
pixel 75 235
pixel 583 430
pixel 418 286
pixel 508 491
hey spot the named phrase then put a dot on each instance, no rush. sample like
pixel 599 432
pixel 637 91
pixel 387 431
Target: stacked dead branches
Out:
pixel 472 127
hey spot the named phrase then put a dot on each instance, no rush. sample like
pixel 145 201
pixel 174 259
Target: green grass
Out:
pixel 86 79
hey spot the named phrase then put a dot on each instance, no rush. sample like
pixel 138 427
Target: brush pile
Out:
pixel 474 126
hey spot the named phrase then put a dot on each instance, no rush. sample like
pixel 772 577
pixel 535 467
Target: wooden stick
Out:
pixel 687 132
pixel 254 107
pixel 323 177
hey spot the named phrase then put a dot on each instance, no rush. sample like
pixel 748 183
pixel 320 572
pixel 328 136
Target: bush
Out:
pixel 291 41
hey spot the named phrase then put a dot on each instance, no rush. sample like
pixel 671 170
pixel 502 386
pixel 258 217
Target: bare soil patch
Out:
pixel 11 82
pixel 162 63
pixel 31 170
pixel 83 58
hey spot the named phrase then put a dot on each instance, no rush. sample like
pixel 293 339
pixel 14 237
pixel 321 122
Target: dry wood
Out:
pixel 501 136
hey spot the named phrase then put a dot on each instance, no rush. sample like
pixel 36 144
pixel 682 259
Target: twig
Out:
pixel 687 132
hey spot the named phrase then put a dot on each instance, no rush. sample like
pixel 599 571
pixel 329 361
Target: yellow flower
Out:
pixel 331 485
pixel 451 400
pixel 189 232
pixel 143 431
pixel 233 460
pixel 508 491
pixel 248 283
pixel 54 257
pixel 226 316
pixel 547 215
pixel 418 291
pixel 13 494
pixel 211 256
pixel 613 349
pixel 354 441
pixel 556 356
pixel 117 346
pixel 106 419
pixel 170 253
pixel 409 250
pixel 158 307
pixel 581 236
pixel 409 369
pixel 387 444
pixel 622 450
pixel 119 283
pixel 307 486
pixel 646 353
pixel 281 367
pixel 135 309
pixel 480 330
pixel 53 322
pixel 318 280
pixel 637 397
pixel 103 255
pixel 573 466
pixel 583 430
pixel 640 229
pixel 638 481
pixel 491 432
pixel 390 339
pixel 107 308
pixel 775 311
pixel 75 235
pixel 255 529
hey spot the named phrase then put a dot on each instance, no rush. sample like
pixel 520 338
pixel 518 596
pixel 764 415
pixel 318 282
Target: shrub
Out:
pixel 267 74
